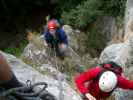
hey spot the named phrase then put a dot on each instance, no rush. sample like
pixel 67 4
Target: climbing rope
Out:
pixel 27 93
pixel 59 77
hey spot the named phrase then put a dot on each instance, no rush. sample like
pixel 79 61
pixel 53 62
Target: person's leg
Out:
pixel 62 50
pixel 7 78
pixel 5 71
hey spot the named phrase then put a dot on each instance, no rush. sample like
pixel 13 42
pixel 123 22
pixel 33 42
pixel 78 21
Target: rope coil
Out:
pixel 27 93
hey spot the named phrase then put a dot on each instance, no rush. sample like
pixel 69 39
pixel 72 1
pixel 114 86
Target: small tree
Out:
pixel 83 14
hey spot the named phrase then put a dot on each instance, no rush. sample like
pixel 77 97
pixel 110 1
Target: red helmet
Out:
pixel 52 24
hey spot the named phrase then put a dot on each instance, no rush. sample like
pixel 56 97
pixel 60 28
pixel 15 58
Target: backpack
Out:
pixel 112 66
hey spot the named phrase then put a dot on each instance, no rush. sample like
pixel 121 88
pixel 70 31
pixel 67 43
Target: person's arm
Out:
pixel 124 83
pixel 46 39
pixel 89 96
pixel 85 77
pixel 64 39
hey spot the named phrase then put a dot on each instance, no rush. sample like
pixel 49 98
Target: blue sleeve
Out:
pixel 63 37
pixel 46 36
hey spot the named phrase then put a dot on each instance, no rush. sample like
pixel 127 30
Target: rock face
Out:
pixel 129 20
pixel 116 52
pixel 122 53
pixel 72 36
pixel 108 26
pixel 58 88
pixel 110 52
pixel 32 54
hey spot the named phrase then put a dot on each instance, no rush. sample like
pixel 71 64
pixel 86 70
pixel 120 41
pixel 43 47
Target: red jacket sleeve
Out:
pixel 85 77
pixel 125 83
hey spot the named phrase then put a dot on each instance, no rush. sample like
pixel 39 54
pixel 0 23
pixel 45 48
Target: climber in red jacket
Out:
pixel 99 82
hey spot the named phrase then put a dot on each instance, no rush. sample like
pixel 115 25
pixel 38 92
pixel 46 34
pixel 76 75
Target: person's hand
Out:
pixel 45 44
pixel 89 96
pixel 62 45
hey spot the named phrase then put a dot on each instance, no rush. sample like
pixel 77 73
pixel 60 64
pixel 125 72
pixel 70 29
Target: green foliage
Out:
pixel 89 10
pixel 16 51
pixel 78 13
pixel 66 5
pixel 95 42
pixel 113 7
pixel 83 13
pixel 92 41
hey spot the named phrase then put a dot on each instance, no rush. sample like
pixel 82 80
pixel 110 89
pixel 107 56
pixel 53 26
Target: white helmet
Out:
pixel 107 81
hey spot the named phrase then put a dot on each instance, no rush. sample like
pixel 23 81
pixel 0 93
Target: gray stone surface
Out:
pixel 59 88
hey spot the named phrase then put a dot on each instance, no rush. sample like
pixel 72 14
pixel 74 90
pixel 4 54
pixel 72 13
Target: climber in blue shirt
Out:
pixel 56 37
